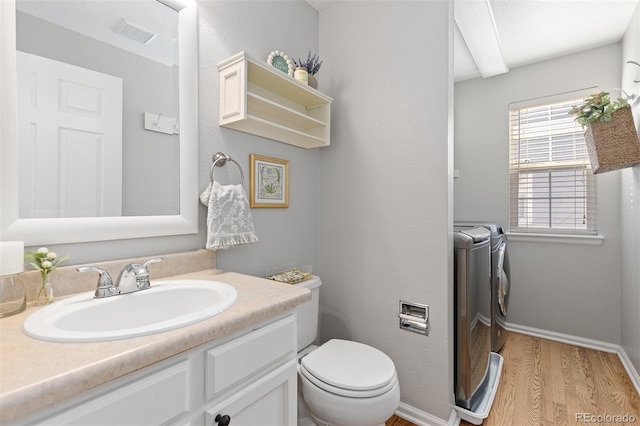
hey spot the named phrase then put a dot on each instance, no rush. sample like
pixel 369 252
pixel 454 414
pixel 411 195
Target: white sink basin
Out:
pixel 165 306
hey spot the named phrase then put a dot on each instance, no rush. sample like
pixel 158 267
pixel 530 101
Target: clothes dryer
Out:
pixel 500 279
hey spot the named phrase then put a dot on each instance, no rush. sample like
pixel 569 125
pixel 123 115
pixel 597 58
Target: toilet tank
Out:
pixel 307 313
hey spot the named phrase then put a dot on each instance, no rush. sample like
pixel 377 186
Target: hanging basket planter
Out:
pixel 614 144
pixel 611 135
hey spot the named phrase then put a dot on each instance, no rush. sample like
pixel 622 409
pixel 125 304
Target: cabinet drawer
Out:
pixel 152 400
pixel 232 362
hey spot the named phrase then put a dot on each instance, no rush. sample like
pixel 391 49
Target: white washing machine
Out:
pixel 500 279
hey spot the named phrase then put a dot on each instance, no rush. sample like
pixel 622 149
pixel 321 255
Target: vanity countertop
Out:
pixel 36 374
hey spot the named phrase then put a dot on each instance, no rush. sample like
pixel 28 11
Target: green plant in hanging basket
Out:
pixel 597 107
pixel 610 133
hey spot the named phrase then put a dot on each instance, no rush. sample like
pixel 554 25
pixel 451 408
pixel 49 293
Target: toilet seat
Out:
pixel 349 369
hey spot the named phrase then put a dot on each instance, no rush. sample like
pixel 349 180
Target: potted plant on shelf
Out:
pixel 312 64
pixel 611 135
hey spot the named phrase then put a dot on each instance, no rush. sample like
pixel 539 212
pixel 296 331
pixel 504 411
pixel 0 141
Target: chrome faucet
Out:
pixel 133 277
pixel 105 287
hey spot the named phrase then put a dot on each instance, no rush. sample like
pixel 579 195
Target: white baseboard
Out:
pixel 584 343
pixel 422 418
pixel 628 365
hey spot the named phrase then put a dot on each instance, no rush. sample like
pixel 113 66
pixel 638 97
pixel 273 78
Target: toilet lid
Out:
pixel 350 365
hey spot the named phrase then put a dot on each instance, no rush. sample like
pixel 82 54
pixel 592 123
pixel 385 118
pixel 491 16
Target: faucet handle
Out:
pixel 150 261
pixel 142 273
pixel 104 287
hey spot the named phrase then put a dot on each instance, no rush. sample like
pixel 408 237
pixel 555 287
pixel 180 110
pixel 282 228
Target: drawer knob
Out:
pixel 223 420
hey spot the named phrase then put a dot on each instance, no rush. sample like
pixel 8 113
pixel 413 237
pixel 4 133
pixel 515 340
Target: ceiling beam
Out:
pixel 477 26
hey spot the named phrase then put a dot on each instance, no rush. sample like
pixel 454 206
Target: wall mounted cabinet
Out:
pixel 259 99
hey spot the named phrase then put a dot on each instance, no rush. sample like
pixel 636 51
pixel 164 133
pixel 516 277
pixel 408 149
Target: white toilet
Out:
pixel 342 382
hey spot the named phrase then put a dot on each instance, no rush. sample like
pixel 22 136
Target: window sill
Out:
pixel 586 240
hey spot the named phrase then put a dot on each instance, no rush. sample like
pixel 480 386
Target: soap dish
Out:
pixel 291 275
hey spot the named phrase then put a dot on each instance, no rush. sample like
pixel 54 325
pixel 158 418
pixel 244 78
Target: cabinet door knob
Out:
pixel 223 420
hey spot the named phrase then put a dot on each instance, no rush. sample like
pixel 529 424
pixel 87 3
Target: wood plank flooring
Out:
pixel 550 383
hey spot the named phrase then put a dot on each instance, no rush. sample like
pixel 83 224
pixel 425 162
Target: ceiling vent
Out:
pixel 134 32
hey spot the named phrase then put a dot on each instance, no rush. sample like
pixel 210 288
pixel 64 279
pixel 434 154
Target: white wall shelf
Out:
pixel 259 99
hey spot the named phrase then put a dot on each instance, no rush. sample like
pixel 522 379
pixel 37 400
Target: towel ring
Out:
pixel 220 159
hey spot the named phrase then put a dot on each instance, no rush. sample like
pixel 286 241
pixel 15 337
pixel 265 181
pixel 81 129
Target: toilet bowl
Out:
pixel 342 382
pixel 349 383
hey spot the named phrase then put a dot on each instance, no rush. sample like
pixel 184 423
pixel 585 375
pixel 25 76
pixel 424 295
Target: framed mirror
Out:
pixel 98 195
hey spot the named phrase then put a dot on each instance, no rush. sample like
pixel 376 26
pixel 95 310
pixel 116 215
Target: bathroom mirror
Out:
pixel 175 130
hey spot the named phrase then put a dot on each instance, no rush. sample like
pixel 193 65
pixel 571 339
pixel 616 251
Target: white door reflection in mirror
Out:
pixel 70 122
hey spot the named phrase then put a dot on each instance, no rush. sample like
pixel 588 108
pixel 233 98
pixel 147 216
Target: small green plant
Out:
pixel 312 63
pixel 44 261
pixel 597 107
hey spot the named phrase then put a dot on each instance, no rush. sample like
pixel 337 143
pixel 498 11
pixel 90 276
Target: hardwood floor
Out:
pixel 550 383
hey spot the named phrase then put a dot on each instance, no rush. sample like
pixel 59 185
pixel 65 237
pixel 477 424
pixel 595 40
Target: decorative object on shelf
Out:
pixel 229 221
pixel 279 60
pixel 291 276
pixel 269 182
pixel 46 262
pixel 301 74
pixel 13 298
pixel 258 99
pixel 611 135
pixel 312 64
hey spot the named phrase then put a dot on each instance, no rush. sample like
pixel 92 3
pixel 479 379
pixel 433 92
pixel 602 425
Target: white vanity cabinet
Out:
pixel 233 380
pixel 257 98
pixel 251 377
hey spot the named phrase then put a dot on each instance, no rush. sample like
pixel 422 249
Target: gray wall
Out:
pixel 384 231
pixel 287 236
pixel 150 164
pixel 572 289
pixel 630 208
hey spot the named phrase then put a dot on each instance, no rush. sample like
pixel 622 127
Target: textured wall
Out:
pixel 287 236
pixel 630 207
pixel 571 289
pixel 384 187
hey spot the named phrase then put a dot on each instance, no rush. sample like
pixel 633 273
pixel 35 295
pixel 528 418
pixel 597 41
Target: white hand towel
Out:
pixel 206 194
pixel 229 221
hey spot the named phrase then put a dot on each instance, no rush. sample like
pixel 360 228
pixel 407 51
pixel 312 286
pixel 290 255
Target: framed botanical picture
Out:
pixel 269 185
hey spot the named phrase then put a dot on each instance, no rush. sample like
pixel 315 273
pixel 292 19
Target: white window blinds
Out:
pixel 552 188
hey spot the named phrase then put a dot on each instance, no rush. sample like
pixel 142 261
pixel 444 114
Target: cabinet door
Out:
pixel 270 401
pixel 233 88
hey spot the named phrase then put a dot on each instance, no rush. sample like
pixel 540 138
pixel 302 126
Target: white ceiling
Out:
pixel 536 30
pixel 99 19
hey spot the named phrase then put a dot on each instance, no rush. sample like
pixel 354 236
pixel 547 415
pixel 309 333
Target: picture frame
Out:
pixel 280 61
pixel 269 182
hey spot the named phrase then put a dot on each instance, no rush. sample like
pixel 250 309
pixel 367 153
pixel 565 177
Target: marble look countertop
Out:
pixel 36 374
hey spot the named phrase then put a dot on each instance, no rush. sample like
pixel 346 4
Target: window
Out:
pixel 552 187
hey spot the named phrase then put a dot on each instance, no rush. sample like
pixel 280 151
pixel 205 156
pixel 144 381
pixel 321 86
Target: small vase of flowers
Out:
pixel 312 64
pixel 46 262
